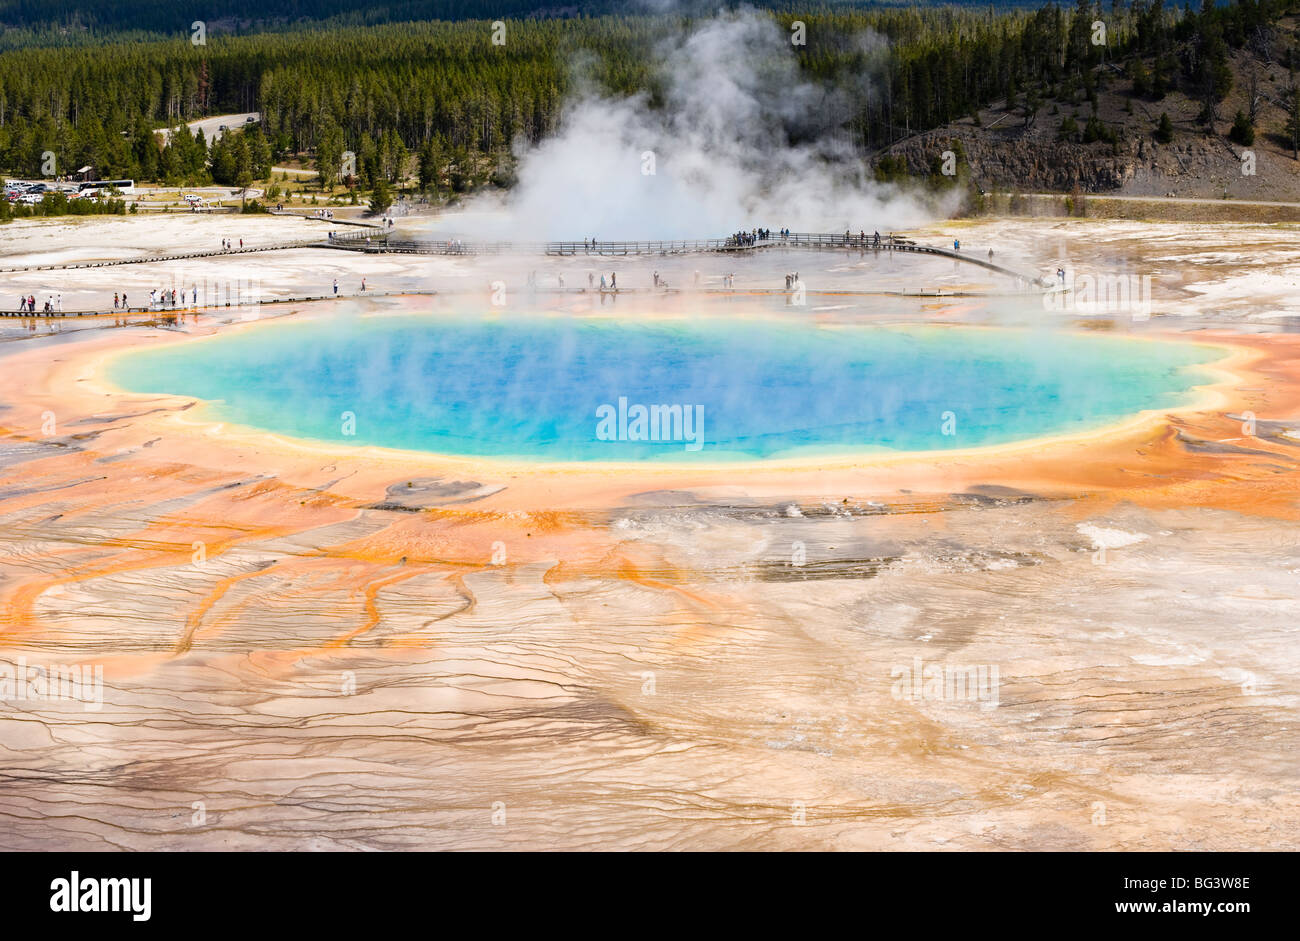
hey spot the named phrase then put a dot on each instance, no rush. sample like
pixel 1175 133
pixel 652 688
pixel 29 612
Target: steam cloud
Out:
pixel 741 141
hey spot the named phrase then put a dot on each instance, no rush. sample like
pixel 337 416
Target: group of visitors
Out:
pixel 791 280
pixel 53 304
pixel 165 298
pixel 227 245
pixel 320 213
pixel 862 238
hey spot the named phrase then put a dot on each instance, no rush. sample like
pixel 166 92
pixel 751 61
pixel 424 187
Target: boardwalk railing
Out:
pixel 383 241
pixel 379 239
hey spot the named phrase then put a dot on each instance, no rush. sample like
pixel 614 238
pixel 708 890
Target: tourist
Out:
pixel 115 300
pixel 363 285
pixel 602 284
pixel 336 286
pixel 990 256
pixel 956 245
pixel 591 280
pixel 656 279
pixel 613 281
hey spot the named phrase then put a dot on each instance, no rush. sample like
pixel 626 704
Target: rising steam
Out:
pixel 742 140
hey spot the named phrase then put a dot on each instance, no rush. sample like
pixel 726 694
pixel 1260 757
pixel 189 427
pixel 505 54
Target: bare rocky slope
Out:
pixel 1011 150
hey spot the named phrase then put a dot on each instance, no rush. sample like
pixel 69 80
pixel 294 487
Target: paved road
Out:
pixel 212 126
pixel 1190 200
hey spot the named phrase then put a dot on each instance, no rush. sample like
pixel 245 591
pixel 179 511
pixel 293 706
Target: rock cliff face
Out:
pixel 998 163
pixel 1201 165
pixel 1188 166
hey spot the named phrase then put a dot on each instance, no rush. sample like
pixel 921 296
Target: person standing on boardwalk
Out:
pixel 336 286
pixel 363 285
pixel 613 281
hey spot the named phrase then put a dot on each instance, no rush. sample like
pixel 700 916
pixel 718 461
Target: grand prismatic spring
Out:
pixel 549 388
pixel 944 573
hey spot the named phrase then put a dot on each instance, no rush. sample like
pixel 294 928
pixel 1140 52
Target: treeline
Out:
pixel 445 93
pixel 67 20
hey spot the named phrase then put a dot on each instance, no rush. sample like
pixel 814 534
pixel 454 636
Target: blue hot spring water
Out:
pixel 560 388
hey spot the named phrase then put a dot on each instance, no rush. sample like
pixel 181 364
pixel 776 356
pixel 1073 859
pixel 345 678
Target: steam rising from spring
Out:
pixel 742 140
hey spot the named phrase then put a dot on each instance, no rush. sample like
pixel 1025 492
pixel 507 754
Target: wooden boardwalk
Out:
pixel 816 241
pixel 381 241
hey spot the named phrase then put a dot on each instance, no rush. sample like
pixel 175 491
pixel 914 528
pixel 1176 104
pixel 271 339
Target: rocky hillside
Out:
pixel 1016 148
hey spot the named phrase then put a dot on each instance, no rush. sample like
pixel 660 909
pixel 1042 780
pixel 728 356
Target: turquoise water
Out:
pixel 549 387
